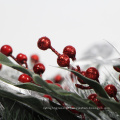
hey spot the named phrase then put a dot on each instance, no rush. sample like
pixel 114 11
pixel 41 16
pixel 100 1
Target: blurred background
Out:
pixel 80 23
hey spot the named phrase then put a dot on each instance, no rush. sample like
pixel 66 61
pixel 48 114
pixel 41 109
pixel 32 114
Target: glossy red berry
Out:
pixel 21 58
pixel 58 85
pixel 48 96
pixel 92 73
pixel 44 43
pixel 63 60
pixel 39 68
pixel 116 68
pixel 80 80
pixel 25 78
pixel 34 58
pixel 70 51
pixel 6 50
pixel 58 78
pixel 49 81
pixel 0 66
pixel 93 97
pixel 111 90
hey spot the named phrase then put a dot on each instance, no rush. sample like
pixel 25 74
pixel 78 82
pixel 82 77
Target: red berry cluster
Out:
pixel 20 59
pixel 63 60
pixel 38 68
pixel 93 97
pixel 91 73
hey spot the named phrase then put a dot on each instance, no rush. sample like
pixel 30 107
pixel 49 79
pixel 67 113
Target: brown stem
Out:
pixel 61 102
pixel 83 87
pixel 13 58
pixel 116 98
pixel 78 68
pixel 73 59
pixel 72 110
pixel 54 51
pixel 26 65
pixel 70 67
pixel 18 62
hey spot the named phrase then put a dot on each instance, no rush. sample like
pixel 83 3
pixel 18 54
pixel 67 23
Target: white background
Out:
pixel 80 23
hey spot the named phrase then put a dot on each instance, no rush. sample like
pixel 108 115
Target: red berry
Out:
pixel 25 78
pixel 48 96
pixel 44 43
pixel 116 68
pixel 70 51
pixel 111 90
pixel 58 85
pixel 58 78
pixel 63 60
pixel 34 58
pixel 92 73
pixel 39 68
pixel 49 81
pixel 0 66
pixel 21 58
pixel 93 97
pixel 6 50
pixel 80 80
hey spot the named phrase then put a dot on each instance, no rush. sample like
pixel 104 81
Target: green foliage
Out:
pixel 92 83
pixel 14 110
pixel 21 104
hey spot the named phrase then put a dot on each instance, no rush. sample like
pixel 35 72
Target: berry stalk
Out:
pixel 54 51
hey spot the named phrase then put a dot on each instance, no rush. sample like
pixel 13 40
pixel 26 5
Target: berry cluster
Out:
pixel 21 59
pixel 93 97
pixel 91 73
pixel 63 60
